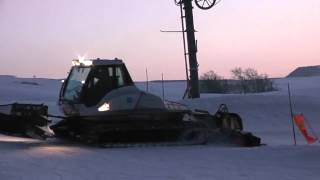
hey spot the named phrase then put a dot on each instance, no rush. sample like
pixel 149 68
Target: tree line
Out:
pixel 243 81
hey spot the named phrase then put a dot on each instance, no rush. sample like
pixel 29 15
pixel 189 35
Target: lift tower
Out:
pixel 186 5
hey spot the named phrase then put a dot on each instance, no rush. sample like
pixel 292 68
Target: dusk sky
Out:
pixel 41 37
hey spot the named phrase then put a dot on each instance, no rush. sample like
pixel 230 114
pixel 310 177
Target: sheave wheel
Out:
pixel 205 4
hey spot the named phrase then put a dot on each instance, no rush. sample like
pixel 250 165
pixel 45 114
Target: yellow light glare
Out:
pixel 87 62
pixel 81 58
pixel 104 107
pixel 75 62
pixel 83 61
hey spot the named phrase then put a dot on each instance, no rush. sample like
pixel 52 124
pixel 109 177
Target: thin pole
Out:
pixel 147 78
pixel 291 112
pixel 162 86
pixel 184 50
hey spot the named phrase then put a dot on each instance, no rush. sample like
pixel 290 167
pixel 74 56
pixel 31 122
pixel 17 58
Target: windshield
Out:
pixel 76 81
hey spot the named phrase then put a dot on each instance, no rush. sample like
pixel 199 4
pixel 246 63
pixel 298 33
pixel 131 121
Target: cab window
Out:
pixel 103 79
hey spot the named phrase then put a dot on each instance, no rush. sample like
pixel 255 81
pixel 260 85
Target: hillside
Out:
pixel 306 71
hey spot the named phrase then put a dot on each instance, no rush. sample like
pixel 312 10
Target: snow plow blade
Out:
pixel 25 120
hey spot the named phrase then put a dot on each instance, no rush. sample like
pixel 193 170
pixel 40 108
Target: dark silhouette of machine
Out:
pixel 103 106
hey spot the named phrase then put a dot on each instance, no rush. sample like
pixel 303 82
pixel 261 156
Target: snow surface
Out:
pixel 266 115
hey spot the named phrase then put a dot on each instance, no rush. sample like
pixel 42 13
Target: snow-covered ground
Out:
pixel 266 115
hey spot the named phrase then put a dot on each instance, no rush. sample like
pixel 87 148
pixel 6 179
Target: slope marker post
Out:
pixel 292 116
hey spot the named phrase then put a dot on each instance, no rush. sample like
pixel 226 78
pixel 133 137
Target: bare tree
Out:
pixel 252 81
pixel 212 83
pixel 239 74
pixel 251 74
pixel 210 75
pixel 247 81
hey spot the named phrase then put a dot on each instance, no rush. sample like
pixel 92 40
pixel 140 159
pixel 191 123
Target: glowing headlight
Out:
pixel 86 62
pixel 104 107
pixel 81 61
pixel 75 62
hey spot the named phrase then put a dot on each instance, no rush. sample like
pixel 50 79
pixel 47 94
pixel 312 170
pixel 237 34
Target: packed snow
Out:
pixel 267 115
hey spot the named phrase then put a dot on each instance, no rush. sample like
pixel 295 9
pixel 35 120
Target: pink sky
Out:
pixel 41 37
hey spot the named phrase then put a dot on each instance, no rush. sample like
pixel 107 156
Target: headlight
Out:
pixel 104 107
pixel 81 61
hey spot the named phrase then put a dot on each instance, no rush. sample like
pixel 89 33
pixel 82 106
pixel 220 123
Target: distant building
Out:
pixel 306 71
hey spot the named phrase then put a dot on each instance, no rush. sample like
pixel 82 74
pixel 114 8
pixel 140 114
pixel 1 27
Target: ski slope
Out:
pixel 266 115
